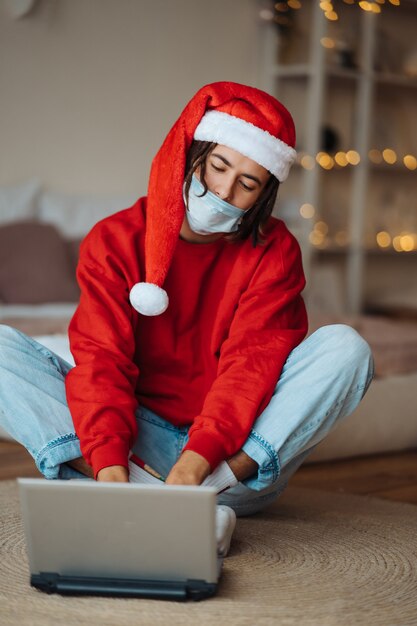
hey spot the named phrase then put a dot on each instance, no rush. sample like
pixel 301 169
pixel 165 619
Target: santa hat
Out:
pixel 242 118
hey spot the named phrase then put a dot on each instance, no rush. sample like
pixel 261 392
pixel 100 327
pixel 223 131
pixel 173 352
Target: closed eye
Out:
pixel 217 169
pixel 222 169
pixel 246 186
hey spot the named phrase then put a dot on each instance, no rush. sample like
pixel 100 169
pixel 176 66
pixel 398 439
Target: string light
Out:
pixel 353 157
pixel 410 162
pixel 396 244
pixel 383 239
pixel 327 42
pixel 340 158
pixel 326 6
pixel 375 156
pixel 366 6
pixel 389 156
pixel 316 238
pixel 407 243
pixel 266 14
pixel 307 162
pixel 325 160
pixel 282 6
pixel 321 227
pixel 307 211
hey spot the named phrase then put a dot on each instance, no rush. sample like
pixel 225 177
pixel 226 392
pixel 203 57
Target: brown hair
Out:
pixel 256 217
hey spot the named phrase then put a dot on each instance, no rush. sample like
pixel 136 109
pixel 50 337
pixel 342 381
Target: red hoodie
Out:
pixel 212 359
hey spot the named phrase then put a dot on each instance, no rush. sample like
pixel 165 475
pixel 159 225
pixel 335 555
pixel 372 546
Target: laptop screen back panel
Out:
pixel 77 528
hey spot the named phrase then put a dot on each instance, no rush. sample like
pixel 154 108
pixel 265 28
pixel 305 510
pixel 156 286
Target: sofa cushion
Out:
pixel 35 265
pixel 18 202
pixel 393 342
pixel 74 215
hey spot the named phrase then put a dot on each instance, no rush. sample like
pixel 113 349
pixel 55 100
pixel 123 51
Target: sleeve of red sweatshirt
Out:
pixel 269 322
pixel 101 387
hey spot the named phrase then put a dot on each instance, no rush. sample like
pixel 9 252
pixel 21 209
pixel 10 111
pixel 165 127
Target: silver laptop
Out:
pixel 120 539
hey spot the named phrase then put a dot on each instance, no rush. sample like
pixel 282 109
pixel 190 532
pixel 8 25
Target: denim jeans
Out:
pixel 323 380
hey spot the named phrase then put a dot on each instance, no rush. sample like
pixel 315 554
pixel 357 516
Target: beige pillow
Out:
pixel 35 265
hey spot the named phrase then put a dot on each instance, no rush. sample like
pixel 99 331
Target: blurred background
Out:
pixel 89 89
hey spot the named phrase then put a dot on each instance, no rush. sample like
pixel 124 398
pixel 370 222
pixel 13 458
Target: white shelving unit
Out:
pixel 320 93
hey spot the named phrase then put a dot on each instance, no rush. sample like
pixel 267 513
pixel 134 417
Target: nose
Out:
pixel 224 191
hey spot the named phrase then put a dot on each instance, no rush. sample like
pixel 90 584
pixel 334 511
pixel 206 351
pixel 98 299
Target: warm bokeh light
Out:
pixel 294 4
pixel 321 227
pixel 325 161
pixel 375 8
pixel 307 211
pixel 410 161
pixel 266 14
pixel 327 42
pixel 307 162
pixel 281 6
pixel 316 238
pixel 389 156
pixel 331 15
pixel 375 156
pixel 353 157
pixel 340 158
pixel 282 19
pixel 396 243
pixel 366 6
pixel 326 6
pixel 396 3
pixel 383 239
pixel 407 243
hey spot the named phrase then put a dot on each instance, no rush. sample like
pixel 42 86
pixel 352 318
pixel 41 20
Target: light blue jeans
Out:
pixel 323 380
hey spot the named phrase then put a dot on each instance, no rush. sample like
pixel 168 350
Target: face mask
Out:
pixel 209 213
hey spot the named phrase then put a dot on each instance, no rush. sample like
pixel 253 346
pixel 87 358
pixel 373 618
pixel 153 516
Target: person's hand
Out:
pixel 113 474
pixel 190 469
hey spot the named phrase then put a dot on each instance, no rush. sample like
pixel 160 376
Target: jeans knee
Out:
pixel 8 335
pixel 352 350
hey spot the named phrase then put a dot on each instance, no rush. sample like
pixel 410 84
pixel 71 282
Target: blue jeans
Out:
pixel 323 380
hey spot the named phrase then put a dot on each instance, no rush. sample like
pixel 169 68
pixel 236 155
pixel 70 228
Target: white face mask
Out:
pixel 210 214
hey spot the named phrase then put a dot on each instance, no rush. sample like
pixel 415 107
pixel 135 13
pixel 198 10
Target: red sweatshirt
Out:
pixel 212 359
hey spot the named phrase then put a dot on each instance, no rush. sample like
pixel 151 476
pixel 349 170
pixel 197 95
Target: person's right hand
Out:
pixel 113 474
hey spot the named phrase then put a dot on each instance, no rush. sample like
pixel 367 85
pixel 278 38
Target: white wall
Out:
pixel 89 88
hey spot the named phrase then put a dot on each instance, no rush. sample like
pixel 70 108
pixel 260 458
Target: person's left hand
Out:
pixel 190 469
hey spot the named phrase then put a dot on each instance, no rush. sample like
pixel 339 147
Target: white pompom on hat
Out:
pixel 243 118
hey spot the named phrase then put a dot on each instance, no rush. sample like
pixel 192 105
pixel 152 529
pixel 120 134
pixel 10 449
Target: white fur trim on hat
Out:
pixel 250 140
pixel 148 299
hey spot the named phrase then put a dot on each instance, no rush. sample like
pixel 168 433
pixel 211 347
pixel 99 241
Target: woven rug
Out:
pixel 313 558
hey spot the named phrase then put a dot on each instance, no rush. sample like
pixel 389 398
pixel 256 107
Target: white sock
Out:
pixel 225 525
pixel 222 478
pixel 140 475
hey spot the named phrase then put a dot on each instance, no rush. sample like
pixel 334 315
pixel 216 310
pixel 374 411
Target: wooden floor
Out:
pixel 389 476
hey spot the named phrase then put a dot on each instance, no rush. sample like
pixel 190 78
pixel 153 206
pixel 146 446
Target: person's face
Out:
pixel 233 177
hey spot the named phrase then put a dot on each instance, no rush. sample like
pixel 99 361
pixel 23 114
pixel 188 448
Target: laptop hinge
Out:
pixel 51 582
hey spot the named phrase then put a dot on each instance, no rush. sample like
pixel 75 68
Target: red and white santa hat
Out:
pixel 243 118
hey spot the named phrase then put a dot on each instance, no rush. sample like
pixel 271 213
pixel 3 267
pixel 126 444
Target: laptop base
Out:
pixel 51 582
